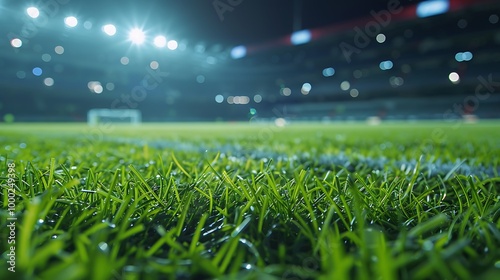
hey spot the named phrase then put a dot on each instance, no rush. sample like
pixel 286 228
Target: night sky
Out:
pixel 252 21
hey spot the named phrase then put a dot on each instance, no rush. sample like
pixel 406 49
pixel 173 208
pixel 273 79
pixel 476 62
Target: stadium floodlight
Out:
pixel 33 12
pixel 301 37
pixel 109 29
pixel 172 45
pixel 137 36
pixel 71 21
pixel 160 41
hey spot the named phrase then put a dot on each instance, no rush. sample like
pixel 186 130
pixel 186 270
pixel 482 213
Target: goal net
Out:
pixel 97 116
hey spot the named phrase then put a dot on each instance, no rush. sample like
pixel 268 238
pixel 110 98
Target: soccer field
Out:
pixel 251 201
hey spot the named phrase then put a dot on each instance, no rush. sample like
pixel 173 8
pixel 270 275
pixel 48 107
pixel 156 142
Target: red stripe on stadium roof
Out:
pixel 408 13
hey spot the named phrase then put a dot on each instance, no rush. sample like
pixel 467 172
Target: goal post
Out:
pixel 130 116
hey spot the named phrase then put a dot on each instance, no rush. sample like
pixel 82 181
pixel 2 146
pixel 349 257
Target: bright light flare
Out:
pixel 33 12
pixel 71 21
pixel 137 36
pixel 160 41
pixel 109 29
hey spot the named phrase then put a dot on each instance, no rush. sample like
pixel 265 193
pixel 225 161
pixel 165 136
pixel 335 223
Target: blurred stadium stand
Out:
pixel 203 79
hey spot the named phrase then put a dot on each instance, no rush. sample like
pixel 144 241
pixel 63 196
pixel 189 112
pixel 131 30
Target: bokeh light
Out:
pixel 87 25
pixel 16 43
pixel 95 87
pixel 124 60
pixel 345 85
pixel 109 29
pixel 46 57
pixel 59 50
pixel 200 79
pixel 354 93
pixel 386 65
pixel 357 74
pixel 280 122
pixel 110 86
pixel 463 56
pixel 238 52
pixel 172 45
pixel 328 72
pixel 432 7
pixel 306 88
pixel 48 82
pixel 301 37
pixel 396 81
pixel 33 12
pixel 286 91
pixel 380 38
pixel 160 41
pixel 154 65
pixel 37 71
pixel 71 21
pixel 219 98
pixel 238 100
pixel 257 98
pixel 454 77
pixel 493 19
pixel 98 89
pixel 21 74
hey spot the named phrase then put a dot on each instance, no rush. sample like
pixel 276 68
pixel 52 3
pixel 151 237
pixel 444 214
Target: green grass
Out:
pixel 241 201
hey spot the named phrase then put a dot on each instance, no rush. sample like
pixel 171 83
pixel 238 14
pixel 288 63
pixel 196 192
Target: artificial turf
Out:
pixel 252 201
